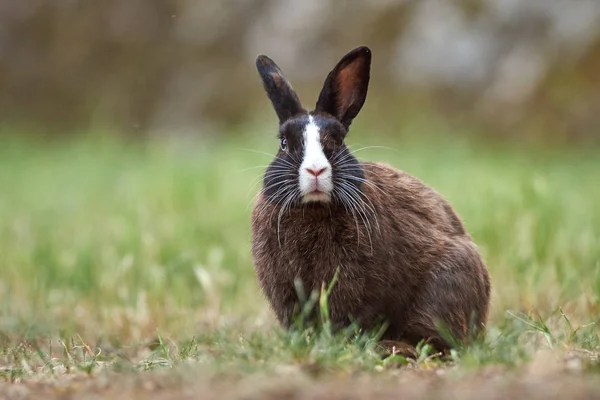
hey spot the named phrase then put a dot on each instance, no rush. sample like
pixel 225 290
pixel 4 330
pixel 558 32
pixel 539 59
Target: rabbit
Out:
pixel 401 253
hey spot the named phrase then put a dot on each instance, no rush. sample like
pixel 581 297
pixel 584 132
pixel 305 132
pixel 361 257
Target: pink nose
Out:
pixel 315 172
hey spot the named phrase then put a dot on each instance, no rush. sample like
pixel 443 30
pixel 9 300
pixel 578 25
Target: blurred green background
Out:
pixel 134 135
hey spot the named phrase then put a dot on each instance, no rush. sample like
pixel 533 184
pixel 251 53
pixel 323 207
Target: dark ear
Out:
pixel 345 88
pixel 284 98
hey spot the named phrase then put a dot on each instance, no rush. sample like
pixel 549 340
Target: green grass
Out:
pixel 120 257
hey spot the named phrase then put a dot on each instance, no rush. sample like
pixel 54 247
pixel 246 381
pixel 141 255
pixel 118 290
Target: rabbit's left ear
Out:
pixel 345 89
pixel 283 97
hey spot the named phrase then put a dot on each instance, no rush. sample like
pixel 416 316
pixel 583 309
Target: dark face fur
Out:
pixel 313 165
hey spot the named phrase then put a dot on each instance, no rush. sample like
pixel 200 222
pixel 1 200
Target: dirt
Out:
pixel 542 379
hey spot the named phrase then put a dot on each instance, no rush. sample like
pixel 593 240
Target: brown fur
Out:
pixel 346 84
pixel 406 259
pixel 416 268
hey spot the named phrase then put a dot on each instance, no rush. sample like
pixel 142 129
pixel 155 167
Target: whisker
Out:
pixel 368 203
pixel 361 180
pixel 343 197
pixel 361 213
pixel 280 191
pixel 257 151
pixel 289 198
pixel 376 147
pixel 350 153
pixel 251 168
pixel 359 194
pixel 286 185
pixel 294 159
pixel 372 164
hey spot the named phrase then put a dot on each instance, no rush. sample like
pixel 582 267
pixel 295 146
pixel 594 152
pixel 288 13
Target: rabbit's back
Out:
pixel 409 199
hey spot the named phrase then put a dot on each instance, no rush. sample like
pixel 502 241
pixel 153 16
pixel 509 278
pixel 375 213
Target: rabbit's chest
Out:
pixel 310 246
pixel 314 252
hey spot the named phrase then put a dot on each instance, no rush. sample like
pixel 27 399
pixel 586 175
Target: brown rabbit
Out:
pixel 403 254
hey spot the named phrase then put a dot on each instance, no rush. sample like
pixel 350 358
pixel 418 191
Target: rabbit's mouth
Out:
pixel 316 196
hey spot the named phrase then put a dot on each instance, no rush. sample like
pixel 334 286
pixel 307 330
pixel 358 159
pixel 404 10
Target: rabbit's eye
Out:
pixel 283 144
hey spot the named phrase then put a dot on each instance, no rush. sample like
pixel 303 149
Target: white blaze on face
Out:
pixel 315 171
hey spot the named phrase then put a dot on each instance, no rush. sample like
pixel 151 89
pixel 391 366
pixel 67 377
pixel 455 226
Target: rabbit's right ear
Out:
pixel 345 89
pixel 284 99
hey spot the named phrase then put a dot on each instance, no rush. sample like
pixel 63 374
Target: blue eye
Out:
pixel 283 144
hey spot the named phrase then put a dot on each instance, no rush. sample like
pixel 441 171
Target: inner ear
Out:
pixel 348 83
pixel 345 89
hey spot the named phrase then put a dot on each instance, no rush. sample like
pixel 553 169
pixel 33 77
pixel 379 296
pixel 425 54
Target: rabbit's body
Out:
pixel 404 267
pixel 403 256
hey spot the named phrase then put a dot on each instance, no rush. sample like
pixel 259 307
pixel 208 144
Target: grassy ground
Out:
pixel 125 271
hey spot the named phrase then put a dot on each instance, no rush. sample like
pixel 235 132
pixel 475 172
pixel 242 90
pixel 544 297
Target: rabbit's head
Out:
pixel 313 165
